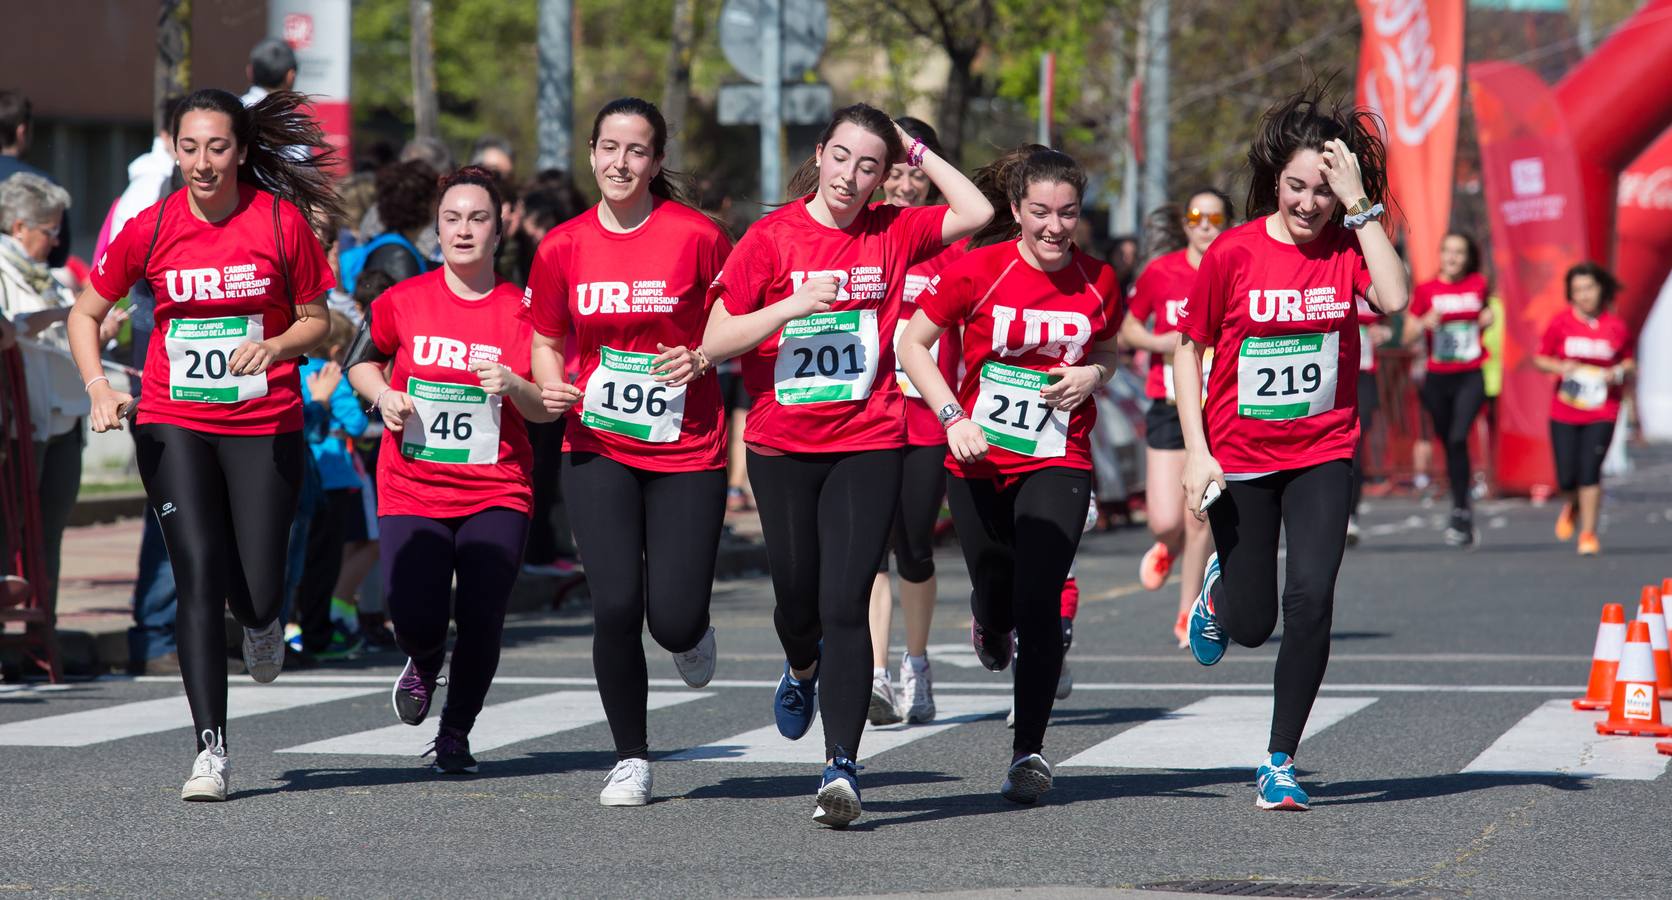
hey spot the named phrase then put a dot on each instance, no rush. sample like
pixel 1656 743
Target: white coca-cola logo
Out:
pixel 1422 90
pixel 1647 190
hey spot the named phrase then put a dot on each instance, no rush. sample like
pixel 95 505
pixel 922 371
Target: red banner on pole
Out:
pixel 1534 196
pixel 1410 68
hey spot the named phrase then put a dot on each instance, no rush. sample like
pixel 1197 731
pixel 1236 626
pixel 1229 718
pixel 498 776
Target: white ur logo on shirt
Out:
pixel 448 353
pixel 1288 305
pixel 1174 307
pixel 1053 333
pixel 797 279
pixel 1588 348
pixel 193 284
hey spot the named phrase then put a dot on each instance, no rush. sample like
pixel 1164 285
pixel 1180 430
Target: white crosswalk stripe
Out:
pixel 497 725
pixel 766 745
pixel 1556 739
pixel 1216 733
pixel 113 723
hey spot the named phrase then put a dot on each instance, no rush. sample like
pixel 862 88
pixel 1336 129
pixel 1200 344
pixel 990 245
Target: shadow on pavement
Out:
pixel 1068 789
pixel 780 786
pixel 1426 787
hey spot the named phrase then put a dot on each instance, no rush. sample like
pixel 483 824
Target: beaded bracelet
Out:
pixel 914 156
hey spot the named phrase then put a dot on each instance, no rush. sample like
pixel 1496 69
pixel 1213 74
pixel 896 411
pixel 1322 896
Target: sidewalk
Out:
pixel 95 594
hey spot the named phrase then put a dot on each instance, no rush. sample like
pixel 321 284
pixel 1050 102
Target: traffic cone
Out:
pixel 1605 659
pixel 1636 708
pixel 1650 610
pixel 1664 747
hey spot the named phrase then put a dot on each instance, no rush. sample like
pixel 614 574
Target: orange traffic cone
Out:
pixel 1665 747
pixel 1605 659
pixel 1636 708
pixel 1650 611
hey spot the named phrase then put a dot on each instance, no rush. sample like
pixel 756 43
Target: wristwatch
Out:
pixel 1360 208
pixel 950 413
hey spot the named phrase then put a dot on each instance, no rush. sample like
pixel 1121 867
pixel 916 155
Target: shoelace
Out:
pixel 625 770
pixel 1210 630
pixel 213 760
pixel 793 702
pixel 1283 777
pixel 447 742
pixel 413 682
pixel 268 641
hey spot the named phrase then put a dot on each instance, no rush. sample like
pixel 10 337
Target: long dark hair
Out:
pixel 667 184
pixel 1305 121
pixel 1005 182
pixel 276 135
pixel 805 179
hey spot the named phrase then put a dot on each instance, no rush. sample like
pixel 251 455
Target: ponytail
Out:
pixel 277 137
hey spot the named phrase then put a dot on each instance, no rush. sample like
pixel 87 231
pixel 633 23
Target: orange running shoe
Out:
pixel 1588 545
pixel 1564 523
pixel 1157 562
pixel 1181 629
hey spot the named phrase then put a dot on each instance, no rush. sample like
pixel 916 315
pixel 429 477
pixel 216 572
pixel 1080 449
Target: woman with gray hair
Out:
pixel 31 214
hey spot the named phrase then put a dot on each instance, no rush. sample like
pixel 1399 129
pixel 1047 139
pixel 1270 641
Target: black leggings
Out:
pixel 1019 535
pixel 1368 404
pixel 648 541
pixel 1579 452
pixel 1453 400
pixel 1309 508
pixel 225 504
pixel 922 487
pixel 826 519
pixel 420 558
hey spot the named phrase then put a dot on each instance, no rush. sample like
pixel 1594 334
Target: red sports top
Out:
pixel 620 295
pixel 923 427
pixel 218 284
pixel 445 463
pixel 1019 323
pixel 1455 346
pixel 1160 292
pixel 1367 316
pixel 1588 395
pixel 1283 324
pixel 832 389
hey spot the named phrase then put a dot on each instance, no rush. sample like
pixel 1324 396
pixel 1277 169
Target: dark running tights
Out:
pixel 225 504
pixel 826 518
pixel 1019 536
pixel 1453 400
pixel 420 558
pixel 648 540
pixel 1309 508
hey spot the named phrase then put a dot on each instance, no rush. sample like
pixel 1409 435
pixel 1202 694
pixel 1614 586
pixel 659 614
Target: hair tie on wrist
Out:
pixel 914 156
pixel 88 387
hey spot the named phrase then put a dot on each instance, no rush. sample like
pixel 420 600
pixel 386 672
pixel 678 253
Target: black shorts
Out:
pixel 1579 451
pixel 1162 430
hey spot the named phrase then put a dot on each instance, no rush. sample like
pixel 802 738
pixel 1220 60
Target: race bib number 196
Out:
pixel 1291 377
pixel 1014 416
pixel 199 351
pixel 622 397
pixel 455 424
pixel 827 358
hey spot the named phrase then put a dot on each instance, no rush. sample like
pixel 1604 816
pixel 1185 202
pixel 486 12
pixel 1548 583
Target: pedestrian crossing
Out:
pixel 1205 733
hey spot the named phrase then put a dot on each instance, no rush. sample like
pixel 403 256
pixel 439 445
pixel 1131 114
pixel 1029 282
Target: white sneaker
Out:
pixel 210 773
pixel 883 710
pixel 264 651
pixel 1028 778
pixel 696 665
pixel 1065 681
pixel 917 693
pixel 628 784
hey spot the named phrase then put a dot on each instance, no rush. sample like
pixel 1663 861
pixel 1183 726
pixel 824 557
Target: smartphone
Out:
pixel 1210 495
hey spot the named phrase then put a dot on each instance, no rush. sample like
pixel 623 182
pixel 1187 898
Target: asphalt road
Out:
pixel 1442 760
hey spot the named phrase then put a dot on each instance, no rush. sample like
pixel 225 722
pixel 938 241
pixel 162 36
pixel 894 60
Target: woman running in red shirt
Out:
pixel 453 491
pixel 922 482
pixel 1275 299
pixel 1593 354
pixel 1159 293
pixel 812 292
pixel 644 461
pixel 240 281
pixel 1452 311
pixel 1040 320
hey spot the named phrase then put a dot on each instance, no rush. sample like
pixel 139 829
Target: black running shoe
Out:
pixel 452 752
pixel 413 692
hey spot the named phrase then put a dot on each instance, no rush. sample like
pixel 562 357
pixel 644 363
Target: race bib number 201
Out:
pixel 199 360
pixel 1290 377
pixel 827 358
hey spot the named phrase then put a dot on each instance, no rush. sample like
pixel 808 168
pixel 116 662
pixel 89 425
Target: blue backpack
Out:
pixel 351 262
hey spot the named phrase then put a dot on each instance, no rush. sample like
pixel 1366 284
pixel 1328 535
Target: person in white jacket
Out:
pixel 31 216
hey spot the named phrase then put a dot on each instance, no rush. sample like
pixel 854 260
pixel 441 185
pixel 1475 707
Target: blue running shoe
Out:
pixel 1277 786
pixel 794 704
pixel 838 797
pixel 1207 639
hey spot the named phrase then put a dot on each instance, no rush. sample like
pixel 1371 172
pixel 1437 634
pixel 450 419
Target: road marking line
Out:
pixel 1216 733
pixel 114 723
pixel 1556 739
pixel 496 726
pixel 768 746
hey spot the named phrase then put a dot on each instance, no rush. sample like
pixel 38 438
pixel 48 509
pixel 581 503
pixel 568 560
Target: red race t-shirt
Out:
pixel 1283 324
pixel 1160 292
pixel 1020 323
pixel 218 284
pixel 620 295
pixel 465 450
pixel 1588 395
pixel 1367 316
pixel 825 383
pixel 1454 346
pixel 923 427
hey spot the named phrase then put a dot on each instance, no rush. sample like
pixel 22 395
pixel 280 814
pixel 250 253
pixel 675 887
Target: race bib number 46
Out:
pixel 622 397
pixel 199 351
pixel 827 358
pixel 1014 416
pixel 454 424
pixel 1291 377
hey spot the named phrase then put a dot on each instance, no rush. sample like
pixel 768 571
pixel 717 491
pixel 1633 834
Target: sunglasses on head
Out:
pixel 1195 216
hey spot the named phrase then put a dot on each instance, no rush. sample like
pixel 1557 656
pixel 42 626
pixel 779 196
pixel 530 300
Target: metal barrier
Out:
pixel 20 528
